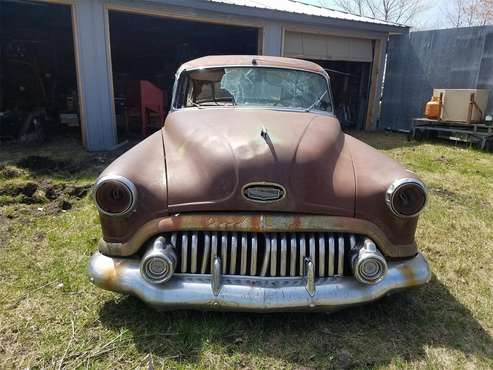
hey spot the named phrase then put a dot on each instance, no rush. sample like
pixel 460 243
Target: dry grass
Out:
pixel 51 316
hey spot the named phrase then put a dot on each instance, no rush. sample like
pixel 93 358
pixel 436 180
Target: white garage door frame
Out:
pixel 378 41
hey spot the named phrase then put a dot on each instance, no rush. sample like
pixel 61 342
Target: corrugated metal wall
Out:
pixel 421 61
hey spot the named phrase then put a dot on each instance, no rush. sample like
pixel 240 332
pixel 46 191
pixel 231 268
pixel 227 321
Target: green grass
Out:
pixel 51 316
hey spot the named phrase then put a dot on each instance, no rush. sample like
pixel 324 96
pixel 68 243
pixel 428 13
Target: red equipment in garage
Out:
pixel 143 100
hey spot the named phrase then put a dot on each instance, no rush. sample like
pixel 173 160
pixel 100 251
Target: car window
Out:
pixel 256 87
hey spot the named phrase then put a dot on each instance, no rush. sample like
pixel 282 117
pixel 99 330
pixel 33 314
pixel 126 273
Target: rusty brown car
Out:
pixel 251 198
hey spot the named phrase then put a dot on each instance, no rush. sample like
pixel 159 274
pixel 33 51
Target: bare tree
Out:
pixel 454 13
pixel 469 13
pixel 351 6
pixel 398 11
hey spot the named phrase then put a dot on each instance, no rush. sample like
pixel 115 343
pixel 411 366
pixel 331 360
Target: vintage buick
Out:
pixel 251 198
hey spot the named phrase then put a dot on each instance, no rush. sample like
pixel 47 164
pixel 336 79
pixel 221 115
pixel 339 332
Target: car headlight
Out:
pixel 115 195
pixel 406 197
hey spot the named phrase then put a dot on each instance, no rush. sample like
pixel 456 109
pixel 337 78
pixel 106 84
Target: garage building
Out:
pixel 84 65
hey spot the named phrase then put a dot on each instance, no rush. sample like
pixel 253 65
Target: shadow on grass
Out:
pixel 59 158
pixel 398 328
pixel 384 140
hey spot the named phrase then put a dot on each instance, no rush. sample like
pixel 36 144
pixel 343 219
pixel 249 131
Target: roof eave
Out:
pixel 277 15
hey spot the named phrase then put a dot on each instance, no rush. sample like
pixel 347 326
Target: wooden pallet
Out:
pixel 477 134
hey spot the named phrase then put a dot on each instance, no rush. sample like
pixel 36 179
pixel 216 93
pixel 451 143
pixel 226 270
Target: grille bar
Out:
pixel 253 261
pixel 234 246
pixel 207 251
pixel 275 254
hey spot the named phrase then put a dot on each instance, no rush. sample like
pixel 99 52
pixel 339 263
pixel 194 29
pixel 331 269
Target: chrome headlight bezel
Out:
pixel 399 184
pixel 127 184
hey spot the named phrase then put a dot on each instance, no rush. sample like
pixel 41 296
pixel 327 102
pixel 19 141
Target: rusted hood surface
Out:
pixel 211 154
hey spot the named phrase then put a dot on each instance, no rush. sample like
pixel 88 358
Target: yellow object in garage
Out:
pixel 433 108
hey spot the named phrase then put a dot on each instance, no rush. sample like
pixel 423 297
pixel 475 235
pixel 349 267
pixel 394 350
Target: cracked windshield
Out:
pixel 256 87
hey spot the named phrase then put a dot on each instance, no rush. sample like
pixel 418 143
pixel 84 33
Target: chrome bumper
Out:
pixel 237 293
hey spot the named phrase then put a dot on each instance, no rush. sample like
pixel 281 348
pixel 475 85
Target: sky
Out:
pixel 432 17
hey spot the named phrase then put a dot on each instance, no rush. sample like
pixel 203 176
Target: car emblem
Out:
pixel 264 192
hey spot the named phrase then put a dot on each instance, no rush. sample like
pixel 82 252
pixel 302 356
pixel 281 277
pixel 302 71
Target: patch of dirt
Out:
pixel 443 160
pixel 10 172
pixel 51 198
pixel 45 165
pixel 5 229
pixel 27 189
pixel 55 191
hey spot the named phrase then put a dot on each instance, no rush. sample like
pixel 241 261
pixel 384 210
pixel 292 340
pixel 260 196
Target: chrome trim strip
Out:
pixel 174 238
pixel 352 241
pixel 302 253
pixel 273 255
pixel 265 263
pixel 193 266
pixel 214 249
pixel 321 253
pixel 331 255
pixel 312 249
pixel 224 251
pixel 253 263
pixel 184 252
pixel 284 254
pixel 292 262
pixel 252 294
pixel 207 250
pixel 244 254
pixel 234 248
pixel 340 256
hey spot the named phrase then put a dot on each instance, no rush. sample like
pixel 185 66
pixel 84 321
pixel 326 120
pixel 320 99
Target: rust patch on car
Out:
pixel 295 224
pixel 408 272
pixel 108 277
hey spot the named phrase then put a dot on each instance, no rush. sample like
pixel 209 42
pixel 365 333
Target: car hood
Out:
pixel 212 154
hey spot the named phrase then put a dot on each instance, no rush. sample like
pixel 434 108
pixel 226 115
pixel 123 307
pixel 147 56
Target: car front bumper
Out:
pixel 238 293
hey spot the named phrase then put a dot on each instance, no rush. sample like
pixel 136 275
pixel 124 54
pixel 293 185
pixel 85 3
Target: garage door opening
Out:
pixel 38 80
pixel 147 50
pixel 350 84
pixel 348 61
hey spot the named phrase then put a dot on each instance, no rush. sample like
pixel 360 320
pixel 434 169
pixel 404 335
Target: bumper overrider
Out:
pixel 245 293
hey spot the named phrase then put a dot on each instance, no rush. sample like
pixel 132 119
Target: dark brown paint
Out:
pixel 202 158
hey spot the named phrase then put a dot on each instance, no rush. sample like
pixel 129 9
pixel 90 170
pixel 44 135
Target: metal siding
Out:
pixel 289 6
pixel 421 61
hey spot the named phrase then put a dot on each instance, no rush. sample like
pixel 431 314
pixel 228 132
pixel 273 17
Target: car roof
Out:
pixel 249 60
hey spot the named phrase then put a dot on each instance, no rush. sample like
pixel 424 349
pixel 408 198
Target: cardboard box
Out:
pixel 463 105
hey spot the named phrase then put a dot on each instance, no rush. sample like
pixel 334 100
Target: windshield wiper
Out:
pixel 196 105
pixel 316 101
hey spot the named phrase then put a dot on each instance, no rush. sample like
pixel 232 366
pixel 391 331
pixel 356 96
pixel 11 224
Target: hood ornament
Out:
pixel 264 133
pixel 263 192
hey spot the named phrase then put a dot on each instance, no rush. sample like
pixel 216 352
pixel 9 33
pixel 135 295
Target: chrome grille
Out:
pixel 274 254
